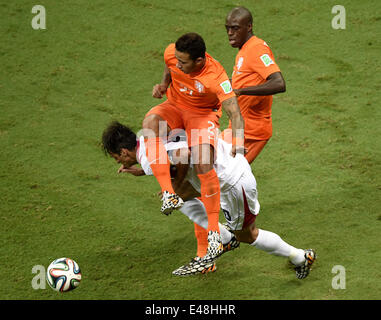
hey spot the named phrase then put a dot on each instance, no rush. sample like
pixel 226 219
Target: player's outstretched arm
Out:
pixel 134 170
pixel 274 84
pixel 232 109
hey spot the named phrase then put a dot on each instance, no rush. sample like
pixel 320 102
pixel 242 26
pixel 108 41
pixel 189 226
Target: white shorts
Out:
pixel 240 203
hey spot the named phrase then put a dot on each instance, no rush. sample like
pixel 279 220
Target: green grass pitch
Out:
pixel 96 61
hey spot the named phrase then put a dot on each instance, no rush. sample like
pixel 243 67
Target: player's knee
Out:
pixel 247 235
pixel 153 124
pixel 151 121
pixel 254 233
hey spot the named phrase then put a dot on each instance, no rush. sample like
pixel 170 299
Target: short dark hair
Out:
pixel 117 136
pixel 242 12
pixel 193 44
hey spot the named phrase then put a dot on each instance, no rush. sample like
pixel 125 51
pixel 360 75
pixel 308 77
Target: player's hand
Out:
pixel 238 146
pixel 136 171
pixel 158 91
pixel 238 150
pixel 121 169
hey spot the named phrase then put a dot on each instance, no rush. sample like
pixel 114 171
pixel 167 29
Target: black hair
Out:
pixel 193 44
pixel 117 136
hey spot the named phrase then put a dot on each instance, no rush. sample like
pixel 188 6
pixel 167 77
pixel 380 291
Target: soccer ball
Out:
pixel 63 275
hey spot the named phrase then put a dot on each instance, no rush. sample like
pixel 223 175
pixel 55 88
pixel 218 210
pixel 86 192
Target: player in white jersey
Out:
pixel 239 198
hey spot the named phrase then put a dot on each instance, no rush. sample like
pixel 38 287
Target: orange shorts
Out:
pixel 253 147
pixel 201 125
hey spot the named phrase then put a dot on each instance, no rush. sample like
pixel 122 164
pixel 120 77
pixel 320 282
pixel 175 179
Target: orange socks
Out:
pixel 202 240
pixel 210 196
pixel 159 162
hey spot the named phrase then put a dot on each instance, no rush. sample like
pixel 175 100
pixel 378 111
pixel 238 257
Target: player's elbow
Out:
pixel 277 83
pixel 282 86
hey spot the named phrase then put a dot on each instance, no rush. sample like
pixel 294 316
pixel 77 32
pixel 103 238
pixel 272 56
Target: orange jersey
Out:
pixel 253 64
pixel 207 88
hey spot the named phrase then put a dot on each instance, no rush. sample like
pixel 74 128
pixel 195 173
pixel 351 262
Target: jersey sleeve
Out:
pixel 144 163
pixel 261 61
pixel 142 159
pixel 223 87
pixel 169 55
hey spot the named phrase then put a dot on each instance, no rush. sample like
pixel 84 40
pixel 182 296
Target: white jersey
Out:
pixel 229 169
pixel 141 155
pixel 237 183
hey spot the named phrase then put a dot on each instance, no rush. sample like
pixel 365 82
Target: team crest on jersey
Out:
pixel 199 86
pixel 239 63
pixel 226 86
pixel 266 60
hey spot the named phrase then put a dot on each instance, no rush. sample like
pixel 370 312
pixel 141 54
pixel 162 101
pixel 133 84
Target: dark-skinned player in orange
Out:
pixel 256 77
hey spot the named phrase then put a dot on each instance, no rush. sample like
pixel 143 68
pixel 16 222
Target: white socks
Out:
pixel 266 240
pixel 273 244
pixel 226 235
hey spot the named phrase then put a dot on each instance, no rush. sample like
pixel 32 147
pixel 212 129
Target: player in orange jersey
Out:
pixel 197 87
pixel 256 77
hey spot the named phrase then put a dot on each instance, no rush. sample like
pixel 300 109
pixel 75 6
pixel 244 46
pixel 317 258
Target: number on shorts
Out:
pixel 211 130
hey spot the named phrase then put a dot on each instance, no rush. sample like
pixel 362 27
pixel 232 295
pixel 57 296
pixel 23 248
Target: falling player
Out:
pixel 239 198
